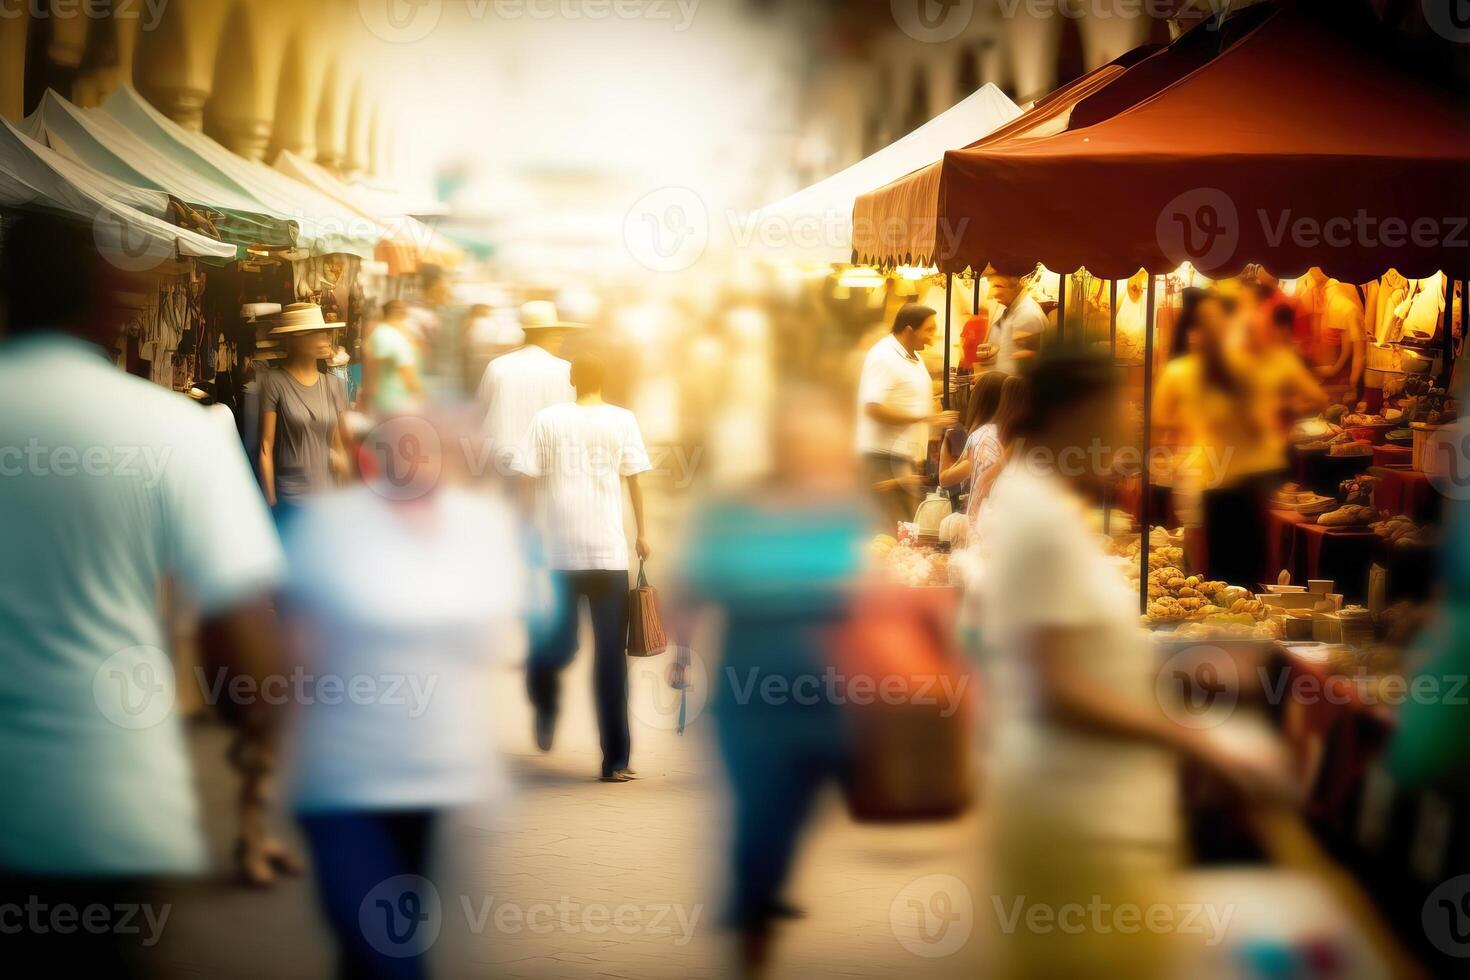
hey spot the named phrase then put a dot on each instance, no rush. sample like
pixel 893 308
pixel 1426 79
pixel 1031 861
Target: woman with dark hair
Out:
pixel 1084 755
pixel 990 445
pixel 954 461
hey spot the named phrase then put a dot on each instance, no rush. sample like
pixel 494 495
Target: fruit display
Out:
pixel 908 565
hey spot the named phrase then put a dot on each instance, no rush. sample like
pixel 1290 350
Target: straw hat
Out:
pixel 269 355
pixel 302 318
pixel 256 311
pixel 541 314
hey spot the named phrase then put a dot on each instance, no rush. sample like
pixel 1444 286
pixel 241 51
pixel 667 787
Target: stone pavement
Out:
pixel 575 878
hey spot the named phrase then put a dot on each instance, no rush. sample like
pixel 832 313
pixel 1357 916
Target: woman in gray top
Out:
pixel 301 420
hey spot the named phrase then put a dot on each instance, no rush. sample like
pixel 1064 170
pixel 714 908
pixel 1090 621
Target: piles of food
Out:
pixel 909 565
pixel 1352 515
pixel 1402 532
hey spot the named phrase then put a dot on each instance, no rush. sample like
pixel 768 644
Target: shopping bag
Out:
pixel 645 627
pixel 911 754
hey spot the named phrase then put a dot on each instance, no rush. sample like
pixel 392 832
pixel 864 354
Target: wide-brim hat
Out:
pixel 259 311
pixel 269 355
pixel 303 318
pixel 541 314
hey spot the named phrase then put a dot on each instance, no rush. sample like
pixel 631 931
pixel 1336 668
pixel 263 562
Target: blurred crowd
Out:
pixel 446 506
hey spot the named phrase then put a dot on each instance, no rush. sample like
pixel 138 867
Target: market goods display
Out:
pixel 1352 515
pixel 1402 532
pixel 908 565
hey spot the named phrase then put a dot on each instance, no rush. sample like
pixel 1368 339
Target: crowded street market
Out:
pixel 1009 456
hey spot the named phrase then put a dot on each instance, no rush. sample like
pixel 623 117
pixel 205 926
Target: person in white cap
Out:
pixel 517 385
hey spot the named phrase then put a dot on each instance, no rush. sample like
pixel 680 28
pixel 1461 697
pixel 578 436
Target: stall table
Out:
pixel 1406 492
pixel 1310 550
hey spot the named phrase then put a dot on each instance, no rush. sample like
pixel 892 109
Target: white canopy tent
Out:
pixel 814 225
pixel 128 222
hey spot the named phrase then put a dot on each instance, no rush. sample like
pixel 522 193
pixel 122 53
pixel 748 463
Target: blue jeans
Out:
pixel 377 916
pixel 552 650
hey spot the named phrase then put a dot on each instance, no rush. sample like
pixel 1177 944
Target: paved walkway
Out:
pixel 629 874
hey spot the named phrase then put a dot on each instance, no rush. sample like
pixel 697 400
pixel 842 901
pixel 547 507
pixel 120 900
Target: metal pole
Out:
pixel 1148 417
pixel 1062 313
pixel 975 308
pixel 1113 318
pixel 1113 346
pixel 948 317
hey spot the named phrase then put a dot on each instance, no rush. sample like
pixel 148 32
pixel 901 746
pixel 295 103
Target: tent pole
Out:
pixel 1113 346
pixel 1148 395
pixel 948 317
pixel 1449 333
pixel 975 308
pixel 1062 313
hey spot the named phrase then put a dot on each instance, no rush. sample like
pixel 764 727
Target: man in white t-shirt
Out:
pixel 579 455
pixel 519 384
pixel 1023 317
pixel 108 486
pixel 895 411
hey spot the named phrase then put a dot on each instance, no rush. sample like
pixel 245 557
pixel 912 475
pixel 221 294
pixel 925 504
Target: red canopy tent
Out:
pixel 1294 147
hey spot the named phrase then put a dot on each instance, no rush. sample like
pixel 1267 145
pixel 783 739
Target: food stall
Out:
pixel 1151 173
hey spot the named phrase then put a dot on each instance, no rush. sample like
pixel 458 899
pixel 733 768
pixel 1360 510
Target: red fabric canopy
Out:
pixel 1293 147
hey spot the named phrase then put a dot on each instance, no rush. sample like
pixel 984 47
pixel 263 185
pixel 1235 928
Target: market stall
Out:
pixel 1253 154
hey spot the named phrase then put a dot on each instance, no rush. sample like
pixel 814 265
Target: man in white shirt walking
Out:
pixel 1023 317
pixel 579 455
pixel 519 384
pixel 895 411
pixel 108 485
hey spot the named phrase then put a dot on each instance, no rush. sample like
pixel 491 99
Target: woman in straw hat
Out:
pixel 301 410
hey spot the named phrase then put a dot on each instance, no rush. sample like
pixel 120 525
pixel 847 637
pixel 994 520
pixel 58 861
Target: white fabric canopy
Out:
pixel 126 221
pixel 815 224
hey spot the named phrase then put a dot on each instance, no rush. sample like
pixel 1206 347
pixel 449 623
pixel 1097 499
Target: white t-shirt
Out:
pixel 1023 316
pixel 1043 568
pixel 579 455
pixel 405 620
pixel 108 484
pixel 514 388
pixel 895 380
